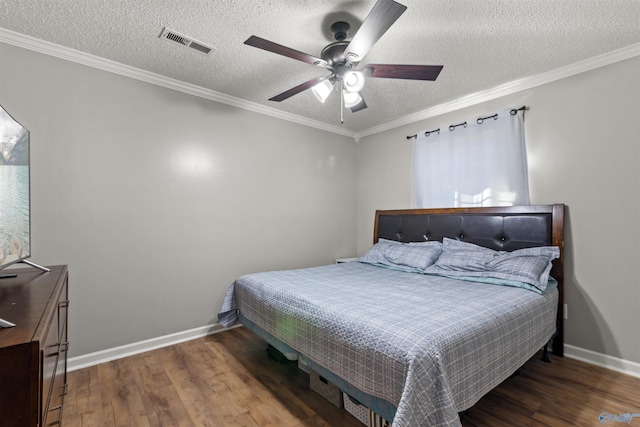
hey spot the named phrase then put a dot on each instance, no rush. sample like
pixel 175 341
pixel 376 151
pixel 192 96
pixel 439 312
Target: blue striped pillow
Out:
pixel 531 265
pixel 411 257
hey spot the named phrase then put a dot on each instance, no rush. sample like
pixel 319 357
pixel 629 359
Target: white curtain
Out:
pixel 482 164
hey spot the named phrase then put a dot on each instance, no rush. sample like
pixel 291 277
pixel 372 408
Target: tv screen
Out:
pixel 15 227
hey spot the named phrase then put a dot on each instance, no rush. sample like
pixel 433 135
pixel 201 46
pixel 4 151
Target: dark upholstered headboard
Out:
pixel 499 228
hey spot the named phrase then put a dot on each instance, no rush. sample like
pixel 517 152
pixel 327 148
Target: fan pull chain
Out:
pixel 341 104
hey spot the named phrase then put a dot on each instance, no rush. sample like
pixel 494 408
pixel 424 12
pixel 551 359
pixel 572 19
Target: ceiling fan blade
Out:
pixel 296 90
pixel 359 106
pixel 267 45
pixel 381 17
pixel 395 71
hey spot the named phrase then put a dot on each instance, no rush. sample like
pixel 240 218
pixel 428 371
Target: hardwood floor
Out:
pixel 227 379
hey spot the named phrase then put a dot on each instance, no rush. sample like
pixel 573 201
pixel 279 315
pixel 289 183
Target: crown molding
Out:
pixel 52 49
pixel 510 88
pixel 55 50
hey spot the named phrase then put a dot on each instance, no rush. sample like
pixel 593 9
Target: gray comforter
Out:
pixel 430 345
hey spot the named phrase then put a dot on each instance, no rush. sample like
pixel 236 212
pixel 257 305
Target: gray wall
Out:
pixel 583 138
pixel 158 200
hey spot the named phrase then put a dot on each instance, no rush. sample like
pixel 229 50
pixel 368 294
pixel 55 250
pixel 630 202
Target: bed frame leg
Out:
pixel 545 354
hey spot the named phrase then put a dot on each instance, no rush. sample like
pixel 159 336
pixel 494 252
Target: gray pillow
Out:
pixel 530 265
pixel 411 257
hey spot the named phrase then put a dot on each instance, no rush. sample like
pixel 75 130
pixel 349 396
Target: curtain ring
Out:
pixel 514 111
pixel 429 132
pixel 482 119
pixel 453 127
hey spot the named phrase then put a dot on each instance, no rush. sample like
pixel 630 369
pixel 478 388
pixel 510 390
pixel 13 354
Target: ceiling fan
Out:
pixel 342 57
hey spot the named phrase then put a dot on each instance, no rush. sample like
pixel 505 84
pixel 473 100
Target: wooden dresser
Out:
pixel 33 354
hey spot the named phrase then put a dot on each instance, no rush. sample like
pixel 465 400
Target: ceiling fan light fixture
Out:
pixel 322 90
pixel 353 81
pixel 351 99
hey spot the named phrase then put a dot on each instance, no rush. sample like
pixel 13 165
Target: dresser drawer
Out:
pixel 33 354
pixel 54 364
pixel 50 353
pixel 63 308
pixel 53 409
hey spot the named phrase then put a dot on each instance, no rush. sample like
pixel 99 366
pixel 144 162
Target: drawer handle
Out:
pixel 60 348
pixel 56 351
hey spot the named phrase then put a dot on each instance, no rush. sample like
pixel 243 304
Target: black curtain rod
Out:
pixel 482 119
pixel 513 112
pixel 453 127
pixel 426 133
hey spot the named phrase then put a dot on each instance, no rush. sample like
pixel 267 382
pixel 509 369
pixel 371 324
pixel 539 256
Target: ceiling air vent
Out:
pixel 175 36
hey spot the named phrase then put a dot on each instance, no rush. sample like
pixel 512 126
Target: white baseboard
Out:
pixel 91 359
pixel 610 362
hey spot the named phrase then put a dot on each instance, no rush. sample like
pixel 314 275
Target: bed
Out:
pixel 404 329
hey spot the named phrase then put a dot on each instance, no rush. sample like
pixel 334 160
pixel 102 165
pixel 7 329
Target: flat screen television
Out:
pixel 15 213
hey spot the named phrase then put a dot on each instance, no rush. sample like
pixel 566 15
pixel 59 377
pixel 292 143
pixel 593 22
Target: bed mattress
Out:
pixel 430 345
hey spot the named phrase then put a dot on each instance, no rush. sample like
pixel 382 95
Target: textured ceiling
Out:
pixel 481 43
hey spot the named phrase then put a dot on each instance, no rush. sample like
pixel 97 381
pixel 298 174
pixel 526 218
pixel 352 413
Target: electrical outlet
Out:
pixel 566 311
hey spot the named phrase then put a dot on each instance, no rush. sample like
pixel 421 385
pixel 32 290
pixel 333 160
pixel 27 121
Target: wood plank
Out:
pixel 580 393
pixel 227 379
pixel 83 407
pixel 195 384
pixel 121 397
pixel 164 408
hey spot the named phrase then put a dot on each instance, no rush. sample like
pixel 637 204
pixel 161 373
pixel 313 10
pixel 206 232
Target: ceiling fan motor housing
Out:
pixel 333 54
pixel 340 30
